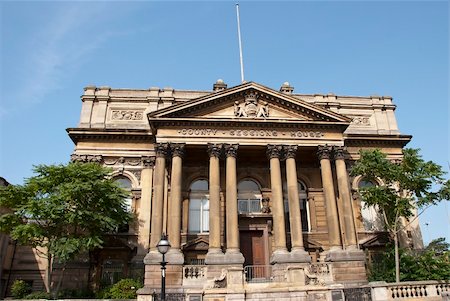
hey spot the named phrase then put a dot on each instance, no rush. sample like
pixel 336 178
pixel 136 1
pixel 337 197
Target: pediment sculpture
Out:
pixel 251 107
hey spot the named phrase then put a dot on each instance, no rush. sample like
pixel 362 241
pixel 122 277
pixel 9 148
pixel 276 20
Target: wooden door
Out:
pixel 253 247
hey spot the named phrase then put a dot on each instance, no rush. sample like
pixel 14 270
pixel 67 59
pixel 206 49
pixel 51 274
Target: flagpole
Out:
pixel 240 43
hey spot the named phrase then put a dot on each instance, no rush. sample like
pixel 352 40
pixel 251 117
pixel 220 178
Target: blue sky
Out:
pixel 51 50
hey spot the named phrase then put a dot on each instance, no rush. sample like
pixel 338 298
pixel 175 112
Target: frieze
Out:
pixel 208 132
pixel 127 115
pixel 361 120
pixel 86 158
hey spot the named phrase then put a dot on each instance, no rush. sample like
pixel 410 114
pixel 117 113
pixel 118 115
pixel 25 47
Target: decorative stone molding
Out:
pixel 231 150
pixel 127 115
pixel 324 152
pixel 265 205
pixel 86 158
pixel 177 150
pixel 251 107
pixel 361 120
pixel 274 151
pixel 290 151
pixel 339 153
pixel 148 162
pixel 137 174
pixel 162 149
pixel 214 150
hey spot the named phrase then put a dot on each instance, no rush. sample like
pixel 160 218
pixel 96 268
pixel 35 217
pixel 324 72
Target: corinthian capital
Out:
pixel 231 150
pixel 177 150
pixel 274 151
pixel 162 149
pixel 214 150
pixel 324 152
pixel 339 153
pixel 290 151
pixel 148 162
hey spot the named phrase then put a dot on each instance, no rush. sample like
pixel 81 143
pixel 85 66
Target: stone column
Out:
pixel 146 208
pixel 345 198
pixel 233 254
pixel 174 256
pixel 280 252
pixel 298 253
pixel 158 203
pixel 214 252
pixel 324 153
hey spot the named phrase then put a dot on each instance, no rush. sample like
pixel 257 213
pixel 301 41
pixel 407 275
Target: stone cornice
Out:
pixel 374 140
pixel 80 134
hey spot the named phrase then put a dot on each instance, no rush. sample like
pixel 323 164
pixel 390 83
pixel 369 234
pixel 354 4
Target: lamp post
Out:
pixel 163 246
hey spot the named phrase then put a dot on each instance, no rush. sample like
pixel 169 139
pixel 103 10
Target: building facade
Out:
pixel 251 185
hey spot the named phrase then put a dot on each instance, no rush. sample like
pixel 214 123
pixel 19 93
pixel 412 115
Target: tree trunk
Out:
pixel 397 259
pixel 48 273
pixel 60 279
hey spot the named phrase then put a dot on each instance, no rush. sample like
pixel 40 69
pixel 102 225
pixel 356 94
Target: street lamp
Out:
pixel 163 246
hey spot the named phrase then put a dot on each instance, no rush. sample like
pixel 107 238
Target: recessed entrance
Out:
pixel 253 247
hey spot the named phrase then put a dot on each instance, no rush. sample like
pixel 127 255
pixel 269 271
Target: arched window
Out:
pixel 371 217
pixel 125 183
pixel 304 207
pixel 199 207
pixel 249 197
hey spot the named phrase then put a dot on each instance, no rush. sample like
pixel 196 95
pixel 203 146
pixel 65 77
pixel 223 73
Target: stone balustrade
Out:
pixel 414 290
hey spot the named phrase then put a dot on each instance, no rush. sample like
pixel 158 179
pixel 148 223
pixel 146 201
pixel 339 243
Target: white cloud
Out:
pixel 57 49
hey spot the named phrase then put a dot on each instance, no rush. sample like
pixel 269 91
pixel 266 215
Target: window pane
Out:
pixel 200 185
pixel 128 203
pixel 247 185
pixel 125 183
pixel 205 221
pixel 242 206
pixel 194 221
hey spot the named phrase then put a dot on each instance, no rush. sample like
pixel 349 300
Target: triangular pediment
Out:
pixel 248 102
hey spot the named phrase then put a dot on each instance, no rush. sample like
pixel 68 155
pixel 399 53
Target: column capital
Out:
pixel 290 151
pixel 148 162
pixel 162 149
pixel 324 152
pixel 339 152
pixel 274 151
pixel 231 150
pixel 177 149
pixel 214 150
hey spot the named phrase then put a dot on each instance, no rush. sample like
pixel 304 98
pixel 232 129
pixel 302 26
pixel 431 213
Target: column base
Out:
pixel 351 254
pixel 174 256
pixel 214 256
pixel 299 255
pixel 295 256
pixel 234 257
pixel 279 256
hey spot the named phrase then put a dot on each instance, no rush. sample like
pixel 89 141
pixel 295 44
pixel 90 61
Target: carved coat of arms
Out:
pixel 251 107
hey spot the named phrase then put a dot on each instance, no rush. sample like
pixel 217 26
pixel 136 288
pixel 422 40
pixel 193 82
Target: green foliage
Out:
pixel 414 266
pixel 20 289
pixel 66 209
pixel 75 294
pixel 38 295
pixel 406 184
pixel 124 289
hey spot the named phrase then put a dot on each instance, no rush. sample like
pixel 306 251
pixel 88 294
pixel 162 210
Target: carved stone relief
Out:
pixel 251 107
pixel 127 115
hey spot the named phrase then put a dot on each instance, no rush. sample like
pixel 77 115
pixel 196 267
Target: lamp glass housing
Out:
pixel 163 245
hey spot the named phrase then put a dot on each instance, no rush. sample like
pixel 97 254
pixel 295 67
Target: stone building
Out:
pixel 251 185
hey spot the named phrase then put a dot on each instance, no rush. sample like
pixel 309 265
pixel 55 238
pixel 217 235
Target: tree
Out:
pixel 63 211
pixel 407 184
pixel 415 265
